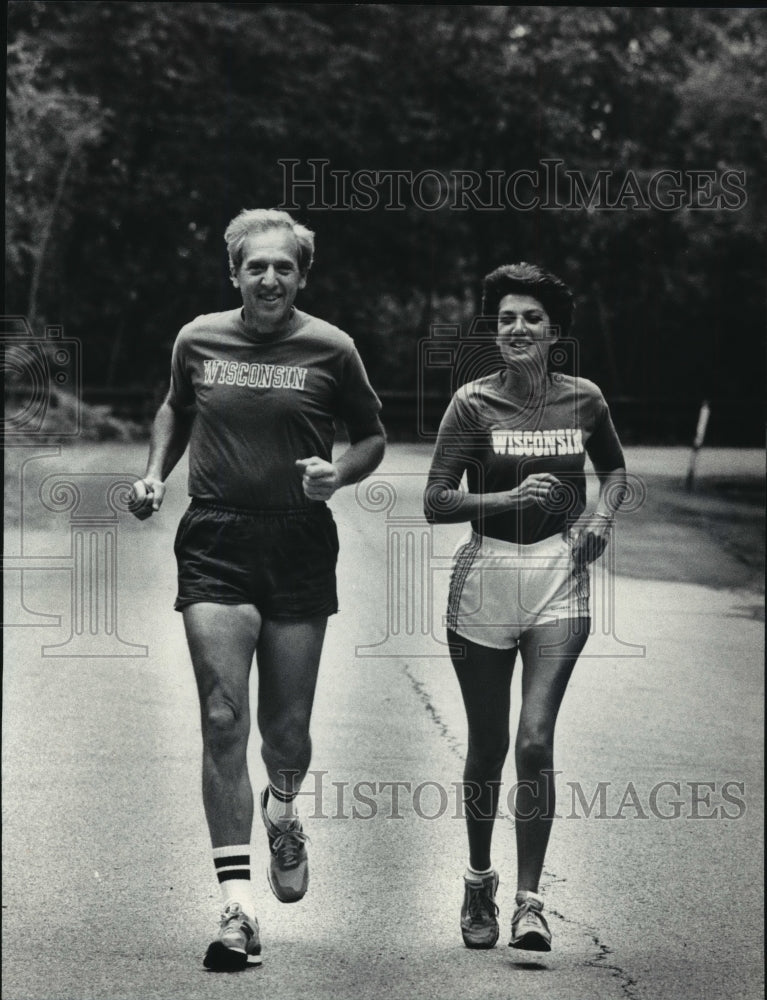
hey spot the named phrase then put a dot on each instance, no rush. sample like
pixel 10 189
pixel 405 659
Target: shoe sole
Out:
pixel 531 942
pixel 219 958
pixel 480 944
pixel 292 896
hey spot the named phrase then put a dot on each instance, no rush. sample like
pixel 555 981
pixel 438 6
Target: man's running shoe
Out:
pixel 288 870
pixel 529 930
pixel 479 914
pixel 237 945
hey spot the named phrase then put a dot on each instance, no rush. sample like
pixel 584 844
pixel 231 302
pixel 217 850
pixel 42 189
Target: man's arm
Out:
pixel 321 479
pixel 170 436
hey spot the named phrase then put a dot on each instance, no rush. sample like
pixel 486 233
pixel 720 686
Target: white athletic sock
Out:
pixel 233 871
pixel 474 875
pixel 523 894
pixel 280 806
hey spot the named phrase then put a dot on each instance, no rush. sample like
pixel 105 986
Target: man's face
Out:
pixel 269 278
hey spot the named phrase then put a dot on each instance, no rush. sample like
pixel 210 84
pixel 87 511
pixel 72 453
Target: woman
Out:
pixel 520 583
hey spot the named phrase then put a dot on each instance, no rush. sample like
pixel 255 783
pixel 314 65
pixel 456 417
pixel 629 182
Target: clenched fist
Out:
pixel 320 479
pixel 147 497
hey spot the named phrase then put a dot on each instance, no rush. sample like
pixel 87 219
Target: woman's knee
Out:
pixel 534 752
pixel 487 757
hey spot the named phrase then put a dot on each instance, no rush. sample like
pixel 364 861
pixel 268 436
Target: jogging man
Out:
pixel 255 392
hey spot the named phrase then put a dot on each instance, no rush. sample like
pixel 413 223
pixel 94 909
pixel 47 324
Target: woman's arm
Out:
pixel 596 530
pixel 446 504
pixel 612 492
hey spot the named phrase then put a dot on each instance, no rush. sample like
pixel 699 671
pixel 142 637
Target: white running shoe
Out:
pixel 237 945
pixel 529 930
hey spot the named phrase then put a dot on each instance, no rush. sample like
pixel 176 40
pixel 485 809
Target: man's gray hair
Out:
pixel 259 220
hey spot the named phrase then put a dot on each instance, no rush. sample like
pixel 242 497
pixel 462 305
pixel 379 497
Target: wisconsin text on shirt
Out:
pixel 562 441
pixel 254 375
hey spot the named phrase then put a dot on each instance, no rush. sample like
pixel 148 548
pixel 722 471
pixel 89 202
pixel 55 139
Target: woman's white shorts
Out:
pixel 499 589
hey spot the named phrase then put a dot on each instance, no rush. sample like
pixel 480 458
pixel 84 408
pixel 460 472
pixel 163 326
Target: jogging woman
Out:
pixel 520 581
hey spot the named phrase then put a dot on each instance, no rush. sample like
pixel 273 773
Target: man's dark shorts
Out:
pixel 282 561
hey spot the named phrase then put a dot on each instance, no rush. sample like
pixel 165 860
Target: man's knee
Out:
pixel 286 739
pixel 223 725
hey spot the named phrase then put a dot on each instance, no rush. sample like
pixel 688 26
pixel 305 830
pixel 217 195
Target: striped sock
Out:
pixel 280 806
pixel 233 871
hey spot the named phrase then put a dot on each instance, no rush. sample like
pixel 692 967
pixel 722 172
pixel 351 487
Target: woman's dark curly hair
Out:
pixel 529 279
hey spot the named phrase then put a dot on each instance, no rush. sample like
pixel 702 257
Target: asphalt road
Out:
pixel 653 877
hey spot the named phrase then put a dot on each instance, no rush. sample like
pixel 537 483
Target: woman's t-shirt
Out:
pixel 498 440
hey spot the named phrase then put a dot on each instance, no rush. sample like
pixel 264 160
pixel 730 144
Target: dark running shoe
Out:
pixel 479 914
pixel 237 945
pixel 288 870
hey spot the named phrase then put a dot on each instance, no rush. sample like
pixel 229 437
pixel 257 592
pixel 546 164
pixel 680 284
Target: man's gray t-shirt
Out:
pixel 259 405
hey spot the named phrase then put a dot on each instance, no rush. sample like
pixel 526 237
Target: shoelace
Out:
pixel 481 904
pixel 234 915
pixel 231 916
pixel 288 845
pixel 528 914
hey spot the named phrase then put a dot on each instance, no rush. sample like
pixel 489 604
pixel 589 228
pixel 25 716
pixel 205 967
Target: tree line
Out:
pixel 425 144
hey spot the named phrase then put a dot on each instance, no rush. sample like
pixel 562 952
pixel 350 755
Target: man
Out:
pixel 254 392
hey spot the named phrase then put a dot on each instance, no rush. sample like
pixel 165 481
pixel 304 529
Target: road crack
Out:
pixel 602 961
pixel 423 695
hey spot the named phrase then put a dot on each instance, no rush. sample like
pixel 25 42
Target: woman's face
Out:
pixel 525 333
